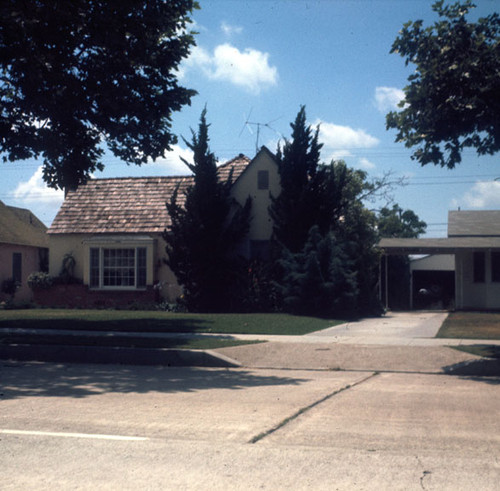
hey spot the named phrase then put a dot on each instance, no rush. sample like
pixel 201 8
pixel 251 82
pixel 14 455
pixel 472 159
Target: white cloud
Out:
pixel 366 164
pixel 229 30
pixel 482 195
pixel 35 191
pixel 388 98
pixel 172 164
pixel 34 194
pixel 248 69
pixel 339 137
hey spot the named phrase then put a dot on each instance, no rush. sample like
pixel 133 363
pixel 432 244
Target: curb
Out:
pixel 117 355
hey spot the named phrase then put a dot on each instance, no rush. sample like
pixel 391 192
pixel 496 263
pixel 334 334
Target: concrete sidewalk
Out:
pixel 397 342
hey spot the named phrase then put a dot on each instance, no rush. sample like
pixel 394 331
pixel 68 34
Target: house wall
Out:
pixel 261 226
pixel 30 263
pixel 471 295
pixel 59 246
pixel 78 245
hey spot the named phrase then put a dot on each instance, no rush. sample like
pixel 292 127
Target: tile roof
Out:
pixel 129 204
pixel 19 226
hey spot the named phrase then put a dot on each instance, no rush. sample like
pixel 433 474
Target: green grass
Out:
pixel 484 350
pixel 471 325
pixel 122 341
pixel 162 322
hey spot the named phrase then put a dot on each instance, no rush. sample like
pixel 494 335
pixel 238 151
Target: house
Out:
pixel 113 230
pixel 474 241
pixel 23 249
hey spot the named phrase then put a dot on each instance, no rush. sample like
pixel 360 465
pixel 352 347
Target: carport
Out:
pixel 476 283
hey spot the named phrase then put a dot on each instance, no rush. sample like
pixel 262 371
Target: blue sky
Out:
pixel 258 61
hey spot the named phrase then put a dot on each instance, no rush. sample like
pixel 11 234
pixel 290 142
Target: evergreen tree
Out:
pixel 205 233
pixel 328 199
pixel 297 207
pixel 319 280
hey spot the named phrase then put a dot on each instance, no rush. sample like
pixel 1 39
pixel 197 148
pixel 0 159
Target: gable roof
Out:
pixel 478 223
pixel 19 226
pixel 128 204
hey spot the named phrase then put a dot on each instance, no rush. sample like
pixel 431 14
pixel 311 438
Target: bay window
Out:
pixel 118 264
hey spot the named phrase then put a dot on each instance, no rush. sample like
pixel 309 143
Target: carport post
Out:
pixel 386 284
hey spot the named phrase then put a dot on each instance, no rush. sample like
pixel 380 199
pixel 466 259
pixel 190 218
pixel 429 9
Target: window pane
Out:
pixel 118 267
pixel 94 267
pixel 141 267
pixel 495 267
pixel 479 259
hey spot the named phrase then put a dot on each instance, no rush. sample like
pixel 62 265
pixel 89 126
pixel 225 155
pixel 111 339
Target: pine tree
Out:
pixel 205 233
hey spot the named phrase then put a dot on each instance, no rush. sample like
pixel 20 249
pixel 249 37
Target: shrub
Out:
pixel 40 281
pixel 10 286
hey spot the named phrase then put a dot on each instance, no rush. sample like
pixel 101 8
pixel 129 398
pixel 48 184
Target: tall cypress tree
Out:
pixel 205 232
pixel 297 207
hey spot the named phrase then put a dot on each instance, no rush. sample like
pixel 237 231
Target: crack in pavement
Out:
pixel 305 409
pixel 425 473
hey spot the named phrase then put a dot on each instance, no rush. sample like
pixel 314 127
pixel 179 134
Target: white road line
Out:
pixel 74 435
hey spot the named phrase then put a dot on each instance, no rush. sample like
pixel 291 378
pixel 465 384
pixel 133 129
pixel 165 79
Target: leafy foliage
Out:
pixel 74 74
pixel 205 233
pixel 40 280
pixel 453 99
pixel 396 222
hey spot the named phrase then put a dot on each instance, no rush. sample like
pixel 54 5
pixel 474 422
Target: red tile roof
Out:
pixel 128 204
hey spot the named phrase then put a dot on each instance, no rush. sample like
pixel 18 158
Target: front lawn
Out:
pixel 484 350
pixel 164 322
pixel 471 325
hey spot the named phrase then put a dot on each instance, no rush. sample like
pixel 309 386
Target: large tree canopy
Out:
pixel 453 99
pixel 74 74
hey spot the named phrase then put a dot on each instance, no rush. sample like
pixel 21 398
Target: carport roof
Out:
pixel 449 245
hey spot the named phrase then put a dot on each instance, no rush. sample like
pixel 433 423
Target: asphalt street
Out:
pixel 66 426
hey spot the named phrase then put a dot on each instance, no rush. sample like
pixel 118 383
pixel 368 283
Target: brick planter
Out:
pixel 79 296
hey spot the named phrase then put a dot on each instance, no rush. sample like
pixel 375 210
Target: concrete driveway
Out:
pixel 401 328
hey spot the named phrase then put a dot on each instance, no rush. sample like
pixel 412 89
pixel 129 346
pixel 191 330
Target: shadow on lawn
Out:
pixel 143 324
pixel 20 380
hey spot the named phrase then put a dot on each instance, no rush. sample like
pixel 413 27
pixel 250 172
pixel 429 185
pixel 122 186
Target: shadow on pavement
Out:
pixel 19 380
pixel 484 367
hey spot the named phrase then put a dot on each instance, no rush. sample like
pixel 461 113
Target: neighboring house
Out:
pixel 23 249
pixel 113 229
pixel 474 241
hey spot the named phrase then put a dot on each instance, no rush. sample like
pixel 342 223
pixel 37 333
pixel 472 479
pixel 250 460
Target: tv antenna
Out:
pixel 248 125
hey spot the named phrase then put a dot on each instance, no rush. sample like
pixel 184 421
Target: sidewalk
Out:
pixel 395 342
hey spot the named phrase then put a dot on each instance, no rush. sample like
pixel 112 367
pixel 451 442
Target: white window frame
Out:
pixel 119 243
